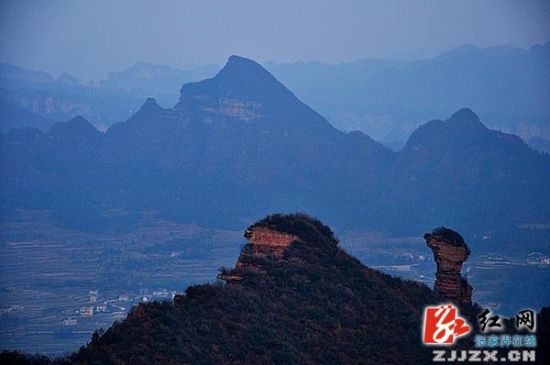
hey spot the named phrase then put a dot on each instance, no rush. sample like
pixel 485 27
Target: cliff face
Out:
pixel 450 251
pixel 263 242
pixel 268 241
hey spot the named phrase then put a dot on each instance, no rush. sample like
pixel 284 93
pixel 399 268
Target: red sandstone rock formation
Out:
pixel 268 242
pixel 263 242
pixel 450 251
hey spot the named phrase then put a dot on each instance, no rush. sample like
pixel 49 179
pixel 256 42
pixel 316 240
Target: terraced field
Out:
pixel 46 274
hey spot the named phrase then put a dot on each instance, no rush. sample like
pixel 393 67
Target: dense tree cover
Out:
pixel 316 305
pixel 301 224
pixel 18 358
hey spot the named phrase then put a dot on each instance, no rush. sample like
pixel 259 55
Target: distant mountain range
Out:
pixel 386 99
pixel 162 82
pixel 240 145
pixel 508 86
pixel 36 99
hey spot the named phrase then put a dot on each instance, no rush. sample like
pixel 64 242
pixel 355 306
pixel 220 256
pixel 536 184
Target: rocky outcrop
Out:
pixel 244 110
pixel 268 241
pixel 450 251
pixel 263 243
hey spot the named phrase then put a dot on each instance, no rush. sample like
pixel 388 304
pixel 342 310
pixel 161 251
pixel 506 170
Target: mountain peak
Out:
pixel 241 78
pixel 150 105
pixel 464 115
pixel 77 126
pixel 243 66
pixel 243 90
pixel 78 120
pixel 463 124
pixel 239 60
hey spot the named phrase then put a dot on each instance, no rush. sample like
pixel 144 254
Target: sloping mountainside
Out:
pixel 506 85
pixel 236 146
pixel 240 145
pixel 299 298
pixel 459 171
pixel 294 297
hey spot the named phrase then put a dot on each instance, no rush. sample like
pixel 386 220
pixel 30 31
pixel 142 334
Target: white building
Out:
pixel 70 322
pixel 123 297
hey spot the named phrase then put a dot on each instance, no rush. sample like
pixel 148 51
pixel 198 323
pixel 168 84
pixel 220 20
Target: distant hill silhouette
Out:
pixel 159 81
pixel 240 145
pixel 386 99
pixel 45 100
pixel 389 99
pixel 35 99
pixel 459 171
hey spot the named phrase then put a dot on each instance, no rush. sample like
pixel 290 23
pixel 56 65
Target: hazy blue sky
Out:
pixel 89 38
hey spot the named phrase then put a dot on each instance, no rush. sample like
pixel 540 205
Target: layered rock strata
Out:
pixel 263 242
pixel 450 252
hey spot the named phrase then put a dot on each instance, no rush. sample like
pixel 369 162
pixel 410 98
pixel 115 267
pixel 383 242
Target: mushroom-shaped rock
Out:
pixel 450 251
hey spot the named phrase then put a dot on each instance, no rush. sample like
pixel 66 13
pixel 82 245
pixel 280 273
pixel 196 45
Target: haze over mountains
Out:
pixel 384 98
pixel 507 86
pixel 36 99
pixel 136 208
pixel 240 145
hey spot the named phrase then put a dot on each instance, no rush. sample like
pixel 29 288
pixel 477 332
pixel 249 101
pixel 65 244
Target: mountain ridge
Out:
pixel 255 154
pixel 387 107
